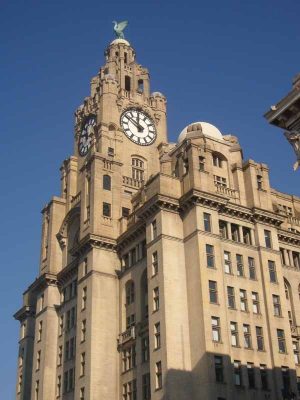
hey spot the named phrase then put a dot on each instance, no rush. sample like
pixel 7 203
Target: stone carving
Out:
pixel 294 139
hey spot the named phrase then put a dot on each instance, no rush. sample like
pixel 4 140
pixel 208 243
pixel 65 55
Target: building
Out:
pixel 286 114
pixel 167 270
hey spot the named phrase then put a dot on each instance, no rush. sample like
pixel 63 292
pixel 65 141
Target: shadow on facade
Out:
pixel 216 377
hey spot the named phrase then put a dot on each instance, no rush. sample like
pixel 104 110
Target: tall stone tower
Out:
pixel 70 320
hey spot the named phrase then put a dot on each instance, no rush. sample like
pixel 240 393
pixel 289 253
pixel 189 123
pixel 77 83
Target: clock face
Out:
pixel 86 136
pixel 138 126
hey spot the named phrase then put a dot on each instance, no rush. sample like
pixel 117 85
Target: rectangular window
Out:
pixel 40 331
pixel 220 181
pixel 82 364
pixel 146 387
pixel 219 369
pixel 255 303
pixel 272 271
pixel 68 319
pixel 154 263
pixel 251 265
pixel 59 357
pixel 156 299
pixel 223 229
pixel 247 235
pixel 157 335
pixel 251 375
pixel 83 330
pixel 237 372
pixel 259 181
pixel 38 360
pixel 210 256
pixel 154 229
pixel 201 164
pixel 217 162
pixel 145 349
pixel 85 267
pixel 227 262
pixel 20 383
pixel 243 299
pixel 158 375
pixel 239 265
pixel 216 330
pixel 296 352
pixel 296 259
pixel 106 210
pixel 281 341
pixel 259 338
pixel 73 317
pixel 58 386
pixel 37 389
pixel 67 350
pixel 235 233
pixel 264 377
pixel 247 336
pixel 82 394
pixel 286 382
pixel 230 297
pixel 282 256
pixel 276 305
pixel 268 241
pixel 234 334
pixel 84 298
pixel 125 212
pixel 213 292
pixel 207 222
pixel 130 321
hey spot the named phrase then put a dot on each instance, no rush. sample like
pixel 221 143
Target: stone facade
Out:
pixel 168 270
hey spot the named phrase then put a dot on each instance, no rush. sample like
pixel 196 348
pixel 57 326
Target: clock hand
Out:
pixel 140 128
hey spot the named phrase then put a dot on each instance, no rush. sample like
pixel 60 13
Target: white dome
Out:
pixel 207 130
pixel 120 41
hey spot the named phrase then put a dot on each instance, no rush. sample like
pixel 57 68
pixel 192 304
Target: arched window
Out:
pixel 125 58
pixel 137 169
pixel 140 86
pixel 106 182
pixel 130 294
pixel 218 160
pixel 289 297
pixel 127 83
pixel 144 295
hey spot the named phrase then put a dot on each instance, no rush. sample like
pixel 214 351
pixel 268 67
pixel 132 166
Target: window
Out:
pixel 235 234
pixel 247 336
pixel 131 390
pixel 272 271
pixel 125 58
pixel 58 386
pixel 286 382
pixel 207 222
pixel 210 257
pixel 156 299
pixel 251 376
pixel 110 150
pixel 40 331
pixel 125 212
pixel 243 299
pixel 264 377
pixel 145 349
pixel 201 164
pixel 237 372
pixel 130 321
pixel 223 229
pixel 282 255
pixel 281 341
pixel 20 383
pixel 85 267
pixel 213 292
pixel 239 265
pixel 129 358
pixel 259 182
pixel 83 330
pixel 154 229
pixel 247 235
pixel 219 181
pixel 23 329
pixel 37 389
pixel 73 317
pixel 296 352
pixel 230 297
pixel 296 259
pixel 259 338
pixel 219 369
pixel 227 262
pixel 255 303
pixel 38 360
pixel 59 357
pixel 84 298
pixel 217 161
pixel 41 302
pixel 82 394
pixel 72 347
pixel 157 335
pixel 216 330
pixel 276 305
pixel 251 266
pixel 67 350
pixel 82 364
pixel 234 334
pixel 158 375
pixel 106 182
pixel 127 83
pixel 137 169
pixel 268 242
pixel 21 358
pixel 154 263
pixel 140 86
pixel 61 325
pixel 106 210
pixel 129 293
pixel 146 387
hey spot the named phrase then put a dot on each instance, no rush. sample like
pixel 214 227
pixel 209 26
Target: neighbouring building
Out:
pixel 167 270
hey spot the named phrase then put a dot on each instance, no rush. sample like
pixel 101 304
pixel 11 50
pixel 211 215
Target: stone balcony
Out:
pixel 228 192
pixel 135 183
pixel 295 331
pixel 127 336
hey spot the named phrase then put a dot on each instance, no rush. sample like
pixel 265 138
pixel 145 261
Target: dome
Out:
pixel 120 41
pixel 155 94
pixel 206 128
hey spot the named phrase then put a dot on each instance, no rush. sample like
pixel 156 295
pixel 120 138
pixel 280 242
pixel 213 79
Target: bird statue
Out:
pixel 119 28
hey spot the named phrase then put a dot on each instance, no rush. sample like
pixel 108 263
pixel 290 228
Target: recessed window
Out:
pixel 127 83
pixel 296 352
pixel 216 329
pixel 235 233
pixel 223 229
pixel 220 181
pixel 276 305
pixel 140 86
pixel 154 263
pixel 106 210
pixel 84 298
pixel 217 161
pixel 82 364
pixel 125 212
pixel 255 303
pixel 130 293
pixel 201 164
pixel 251 266
pixel 227 263
pixel 210 257
pixel 146 387
pixel 237 372
pixel 251 375
pixel 110 152
pixel 154 229
pixel 230 297
pixel 281 341
pixel 243 299
pixel 272 271
pixel 239 265
pixel 259 338
pixel 156 299
pixel 145 349
pixel 247 336
pixel 207 222
pixel 158 375
pixel 106 182
pixel 157 335
pixel 268 241
pixel 213 292
pixel 264 377
pixel 259 181
pixel 219 373
pixel 234 334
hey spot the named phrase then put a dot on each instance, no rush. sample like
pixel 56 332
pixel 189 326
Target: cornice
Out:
pixel 94 241
pixel 24 312
pixel 288 237
pixel 133 232
pixel 42 282
pixel 156 203
pixel 67 272
pixel 267 217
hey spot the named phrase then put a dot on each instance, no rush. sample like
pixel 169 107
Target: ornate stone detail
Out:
pixel 293 138
pixel 89 106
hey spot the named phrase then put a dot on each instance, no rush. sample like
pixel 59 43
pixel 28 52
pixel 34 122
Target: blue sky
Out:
pixel 224 62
